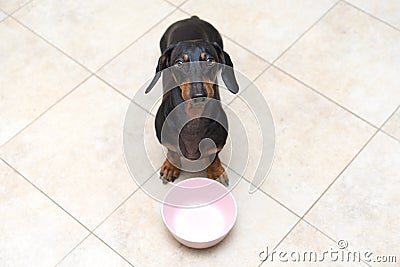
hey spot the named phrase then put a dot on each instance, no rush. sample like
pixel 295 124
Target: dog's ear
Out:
pixel 162 64
pixel 227 73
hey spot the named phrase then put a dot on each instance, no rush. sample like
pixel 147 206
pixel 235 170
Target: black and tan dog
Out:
pixel 192 52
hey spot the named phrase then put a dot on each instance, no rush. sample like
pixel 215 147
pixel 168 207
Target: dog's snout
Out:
pixel 198 90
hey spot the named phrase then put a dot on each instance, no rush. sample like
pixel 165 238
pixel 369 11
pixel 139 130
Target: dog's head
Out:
pixel 194 66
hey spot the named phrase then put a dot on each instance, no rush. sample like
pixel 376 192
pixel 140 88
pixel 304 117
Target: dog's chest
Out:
pixel 191 135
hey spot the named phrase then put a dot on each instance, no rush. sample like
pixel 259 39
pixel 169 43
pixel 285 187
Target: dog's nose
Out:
pixel 197 95
pixel 198 90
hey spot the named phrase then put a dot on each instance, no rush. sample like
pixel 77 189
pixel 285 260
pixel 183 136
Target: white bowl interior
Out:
pixel 199 210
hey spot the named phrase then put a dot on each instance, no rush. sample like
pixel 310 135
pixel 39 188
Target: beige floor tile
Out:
pixel 33 77
pixel 131 70
pixel 265 27
pixel 92 252
pixel 362 206
pixel 34 231
pixel 10 6
pixel 137 232
pixel 2 15
pixel 154 149
pixel 74 152
pixel 304 242
pixel 392 126
pixel 92 32
pixel 386 10
pixel 143 153
pixel 315 139
pixel 352 58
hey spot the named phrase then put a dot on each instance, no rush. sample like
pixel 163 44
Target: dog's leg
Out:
pixel 169 170
pixel 216 172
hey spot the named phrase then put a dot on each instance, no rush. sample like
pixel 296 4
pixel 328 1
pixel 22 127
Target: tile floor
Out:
pixel 68 69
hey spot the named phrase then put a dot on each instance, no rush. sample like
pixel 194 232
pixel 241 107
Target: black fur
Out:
pixel 192 40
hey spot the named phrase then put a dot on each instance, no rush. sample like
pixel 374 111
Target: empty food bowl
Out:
pixel 199 212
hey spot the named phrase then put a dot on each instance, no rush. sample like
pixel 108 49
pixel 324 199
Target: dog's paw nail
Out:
pixel 164 181
pixel 174 178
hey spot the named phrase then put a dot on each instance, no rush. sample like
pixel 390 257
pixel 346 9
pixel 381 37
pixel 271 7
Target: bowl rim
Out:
pixel 229 193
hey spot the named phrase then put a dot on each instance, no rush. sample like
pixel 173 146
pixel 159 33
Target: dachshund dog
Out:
pixel 192 56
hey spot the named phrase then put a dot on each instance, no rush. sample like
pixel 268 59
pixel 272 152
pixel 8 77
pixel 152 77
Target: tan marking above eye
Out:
pixel 185 57
pixel 203 56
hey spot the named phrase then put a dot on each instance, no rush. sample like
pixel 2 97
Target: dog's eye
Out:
pixel 210 60
pixel 178 63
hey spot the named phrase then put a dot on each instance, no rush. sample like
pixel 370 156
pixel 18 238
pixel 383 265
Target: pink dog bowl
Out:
pixel 199 212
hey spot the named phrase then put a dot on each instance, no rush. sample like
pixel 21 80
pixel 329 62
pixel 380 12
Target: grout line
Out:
pixel 112 212
pixel 172 4
pixel 388 119
pixel 326 235
pixel 53 201
pixel 320 231
pixel 390 116
pixel 252 83
pixel 137 39
pixel 371 15
pixel 77 62
pixel 307 30
pixel 105 219
pixel 339 175
pixel 275 60
pixel 287 234
pixel 112 249
pixel 46 110
pixel 94 74
pixel 265 193
pixel 287 208
pixel 284 237
pixel 315 228
pixel 122 94
pixel 326 97
pixel 83 66
pixel 41 191
pixel 179 5
pixel 184 11
pixel 301 219
pixel 390 135
pixel 77 245
pixel 51 44
pixel 245 48
pixel 13 12
pixel 23 5
pixel 289 47
pixel 6 17
pixel 233 41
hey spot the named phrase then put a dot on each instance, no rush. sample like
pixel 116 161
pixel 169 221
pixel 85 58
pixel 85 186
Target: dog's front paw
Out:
pixel 168 172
